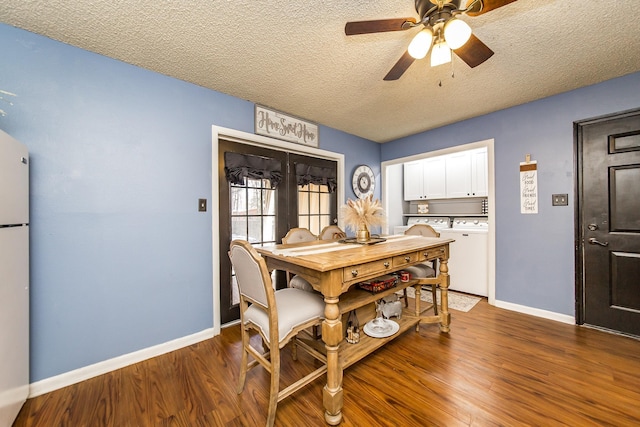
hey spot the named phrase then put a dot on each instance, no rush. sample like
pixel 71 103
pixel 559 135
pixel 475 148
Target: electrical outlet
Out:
pixel 202 205
pixel 560 200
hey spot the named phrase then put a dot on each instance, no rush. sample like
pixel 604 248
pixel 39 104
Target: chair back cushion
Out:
pixel 422 230
pixel 248 266
pixel 332 232
pixel 298 235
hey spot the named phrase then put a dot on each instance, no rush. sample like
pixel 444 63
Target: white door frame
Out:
pixel 261 141
pixel 489 143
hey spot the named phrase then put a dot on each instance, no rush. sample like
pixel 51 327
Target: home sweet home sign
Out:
pixel 275 124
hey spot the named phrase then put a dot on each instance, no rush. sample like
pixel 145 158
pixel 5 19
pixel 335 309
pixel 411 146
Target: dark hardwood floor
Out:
pixel 495 368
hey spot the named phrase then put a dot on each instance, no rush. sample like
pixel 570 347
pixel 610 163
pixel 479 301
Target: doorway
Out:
pixel 254 211
pixel 608 222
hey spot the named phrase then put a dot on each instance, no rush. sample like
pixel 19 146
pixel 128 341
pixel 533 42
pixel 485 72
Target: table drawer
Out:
pixel 375 268
pixel 430 254
pixel 406 259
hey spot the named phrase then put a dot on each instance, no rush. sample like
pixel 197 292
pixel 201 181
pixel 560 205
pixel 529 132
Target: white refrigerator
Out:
pixel 14 277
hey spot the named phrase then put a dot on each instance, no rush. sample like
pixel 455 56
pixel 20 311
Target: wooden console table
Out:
pixel 334 268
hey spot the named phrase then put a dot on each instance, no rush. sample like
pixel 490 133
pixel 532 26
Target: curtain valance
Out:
pixel 238 166
pixel 306 174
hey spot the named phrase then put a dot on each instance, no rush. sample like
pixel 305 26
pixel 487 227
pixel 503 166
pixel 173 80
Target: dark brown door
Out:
pixel 609 222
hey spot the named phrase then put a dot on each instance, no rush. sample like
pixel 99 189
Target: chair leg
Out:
pixel 244 361
pixel 275 385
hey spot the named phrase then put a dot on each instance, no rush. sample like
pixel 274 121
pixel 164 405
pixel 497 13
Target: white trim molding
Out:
pixel 72 377
pixel 558 317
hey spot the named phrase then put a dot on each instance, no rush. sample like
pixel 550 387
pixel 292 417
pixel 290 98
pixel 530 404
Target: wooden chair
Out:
pixel 298 235
pixel 278 316
pixel 332 232
pixel 423 270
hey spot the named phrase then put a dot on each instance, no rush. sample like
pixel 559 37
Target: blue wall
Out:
pixel 534 253
pixel 120 257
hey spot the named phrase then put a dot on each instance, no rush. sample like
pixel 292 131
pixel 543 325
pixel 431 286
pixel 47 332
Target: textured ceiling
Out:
pixel 293 56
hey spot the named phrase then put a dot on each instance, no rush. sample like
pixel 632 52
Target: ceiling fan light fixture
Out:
pixel 456 33
pixel 440 54
pixel 421 44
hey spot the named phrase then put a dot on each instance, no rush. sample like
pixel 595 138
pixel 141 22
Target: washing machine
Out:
pixel 468 255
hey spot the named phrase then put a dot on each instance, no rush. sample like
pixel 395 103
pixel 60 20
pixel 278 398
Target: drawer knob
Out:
pixel 425 254
pixel 354 273
pixel 407 258
pixel 386 264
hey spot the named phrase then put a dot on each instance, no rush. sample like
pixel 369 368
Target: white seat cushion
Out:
pixel 294 307
pixel 420 271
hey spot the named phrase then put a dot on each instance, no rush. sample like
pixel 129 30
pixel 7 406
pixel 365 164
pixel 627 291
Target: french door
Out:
pixel 253 210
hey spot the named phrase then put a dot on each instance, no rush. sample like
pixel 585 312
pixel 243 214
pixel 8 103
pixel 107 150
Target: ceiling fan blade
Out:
pixel 474 52
pixel 488 6
pixel 400 67
pixel 378 26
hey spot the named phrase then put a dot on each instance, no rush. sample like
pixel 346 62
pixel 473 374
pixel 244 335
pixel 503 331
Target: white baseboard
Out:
pixel 72 377
pixel 564 318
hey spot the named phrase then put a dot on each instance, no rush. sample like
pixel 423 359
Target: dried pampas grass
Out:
pixel 363 213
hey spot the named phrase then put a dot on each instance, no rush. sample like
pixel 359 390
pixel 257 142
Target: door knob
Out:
pixel 593 241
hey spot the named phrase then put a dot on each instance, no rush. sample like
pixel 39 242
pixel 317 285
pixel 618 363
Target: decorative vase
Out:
pixel 363 235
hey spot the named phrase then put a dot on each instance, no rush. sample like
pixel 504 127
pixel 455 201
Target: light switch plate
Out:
pixel 202 205
pixel 560 200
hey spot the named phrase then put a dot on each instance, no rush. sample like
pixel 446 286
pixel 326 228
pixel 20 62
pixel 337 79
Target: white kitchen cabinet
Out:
pixel 479 186
pixel 413 180
pixel 425 179
pixel 458 174
pixel 434 178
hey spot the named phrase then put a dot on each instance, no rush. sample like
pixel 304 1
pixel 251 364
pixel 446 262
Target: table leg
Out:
pixel 332 336
pixel 444 295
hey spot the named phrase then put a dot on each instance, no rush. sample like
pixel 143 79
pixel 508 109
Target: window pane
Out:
pixel 238 201
pixel 325 200
pixel 255 229
pixel 314 224
pixel 255 200
pixel 324 189
pixel 269 229
pixel 303 221
pixel 303 202
pixel 268 202
pixel 238 228
pixel 314 203
pixel 313 187
pixel 256 183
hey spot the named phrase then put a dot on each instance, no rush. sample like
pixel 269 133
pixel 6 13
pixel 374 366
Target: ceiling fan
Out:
pixel 441 28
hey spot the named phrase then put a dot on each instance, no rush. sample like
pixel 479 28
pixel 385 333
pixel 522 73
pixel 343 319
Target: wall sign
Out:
pixel 529 187
pixel 275 124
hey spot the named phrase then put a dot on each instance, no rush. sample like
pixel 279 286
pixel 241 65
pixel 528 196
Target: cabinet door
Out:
pixel 479 185
pixel 458 173
pixel 434 178
pixel 413 187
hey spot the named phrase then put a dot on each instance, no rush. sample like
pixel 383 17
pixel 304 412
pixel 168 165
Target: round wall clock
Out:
pixel 363 181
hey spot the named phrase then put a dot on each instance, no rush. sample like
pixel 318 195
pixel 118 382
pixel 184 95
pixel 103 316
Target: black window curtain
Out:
pixel 306 174
pixel 238 166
